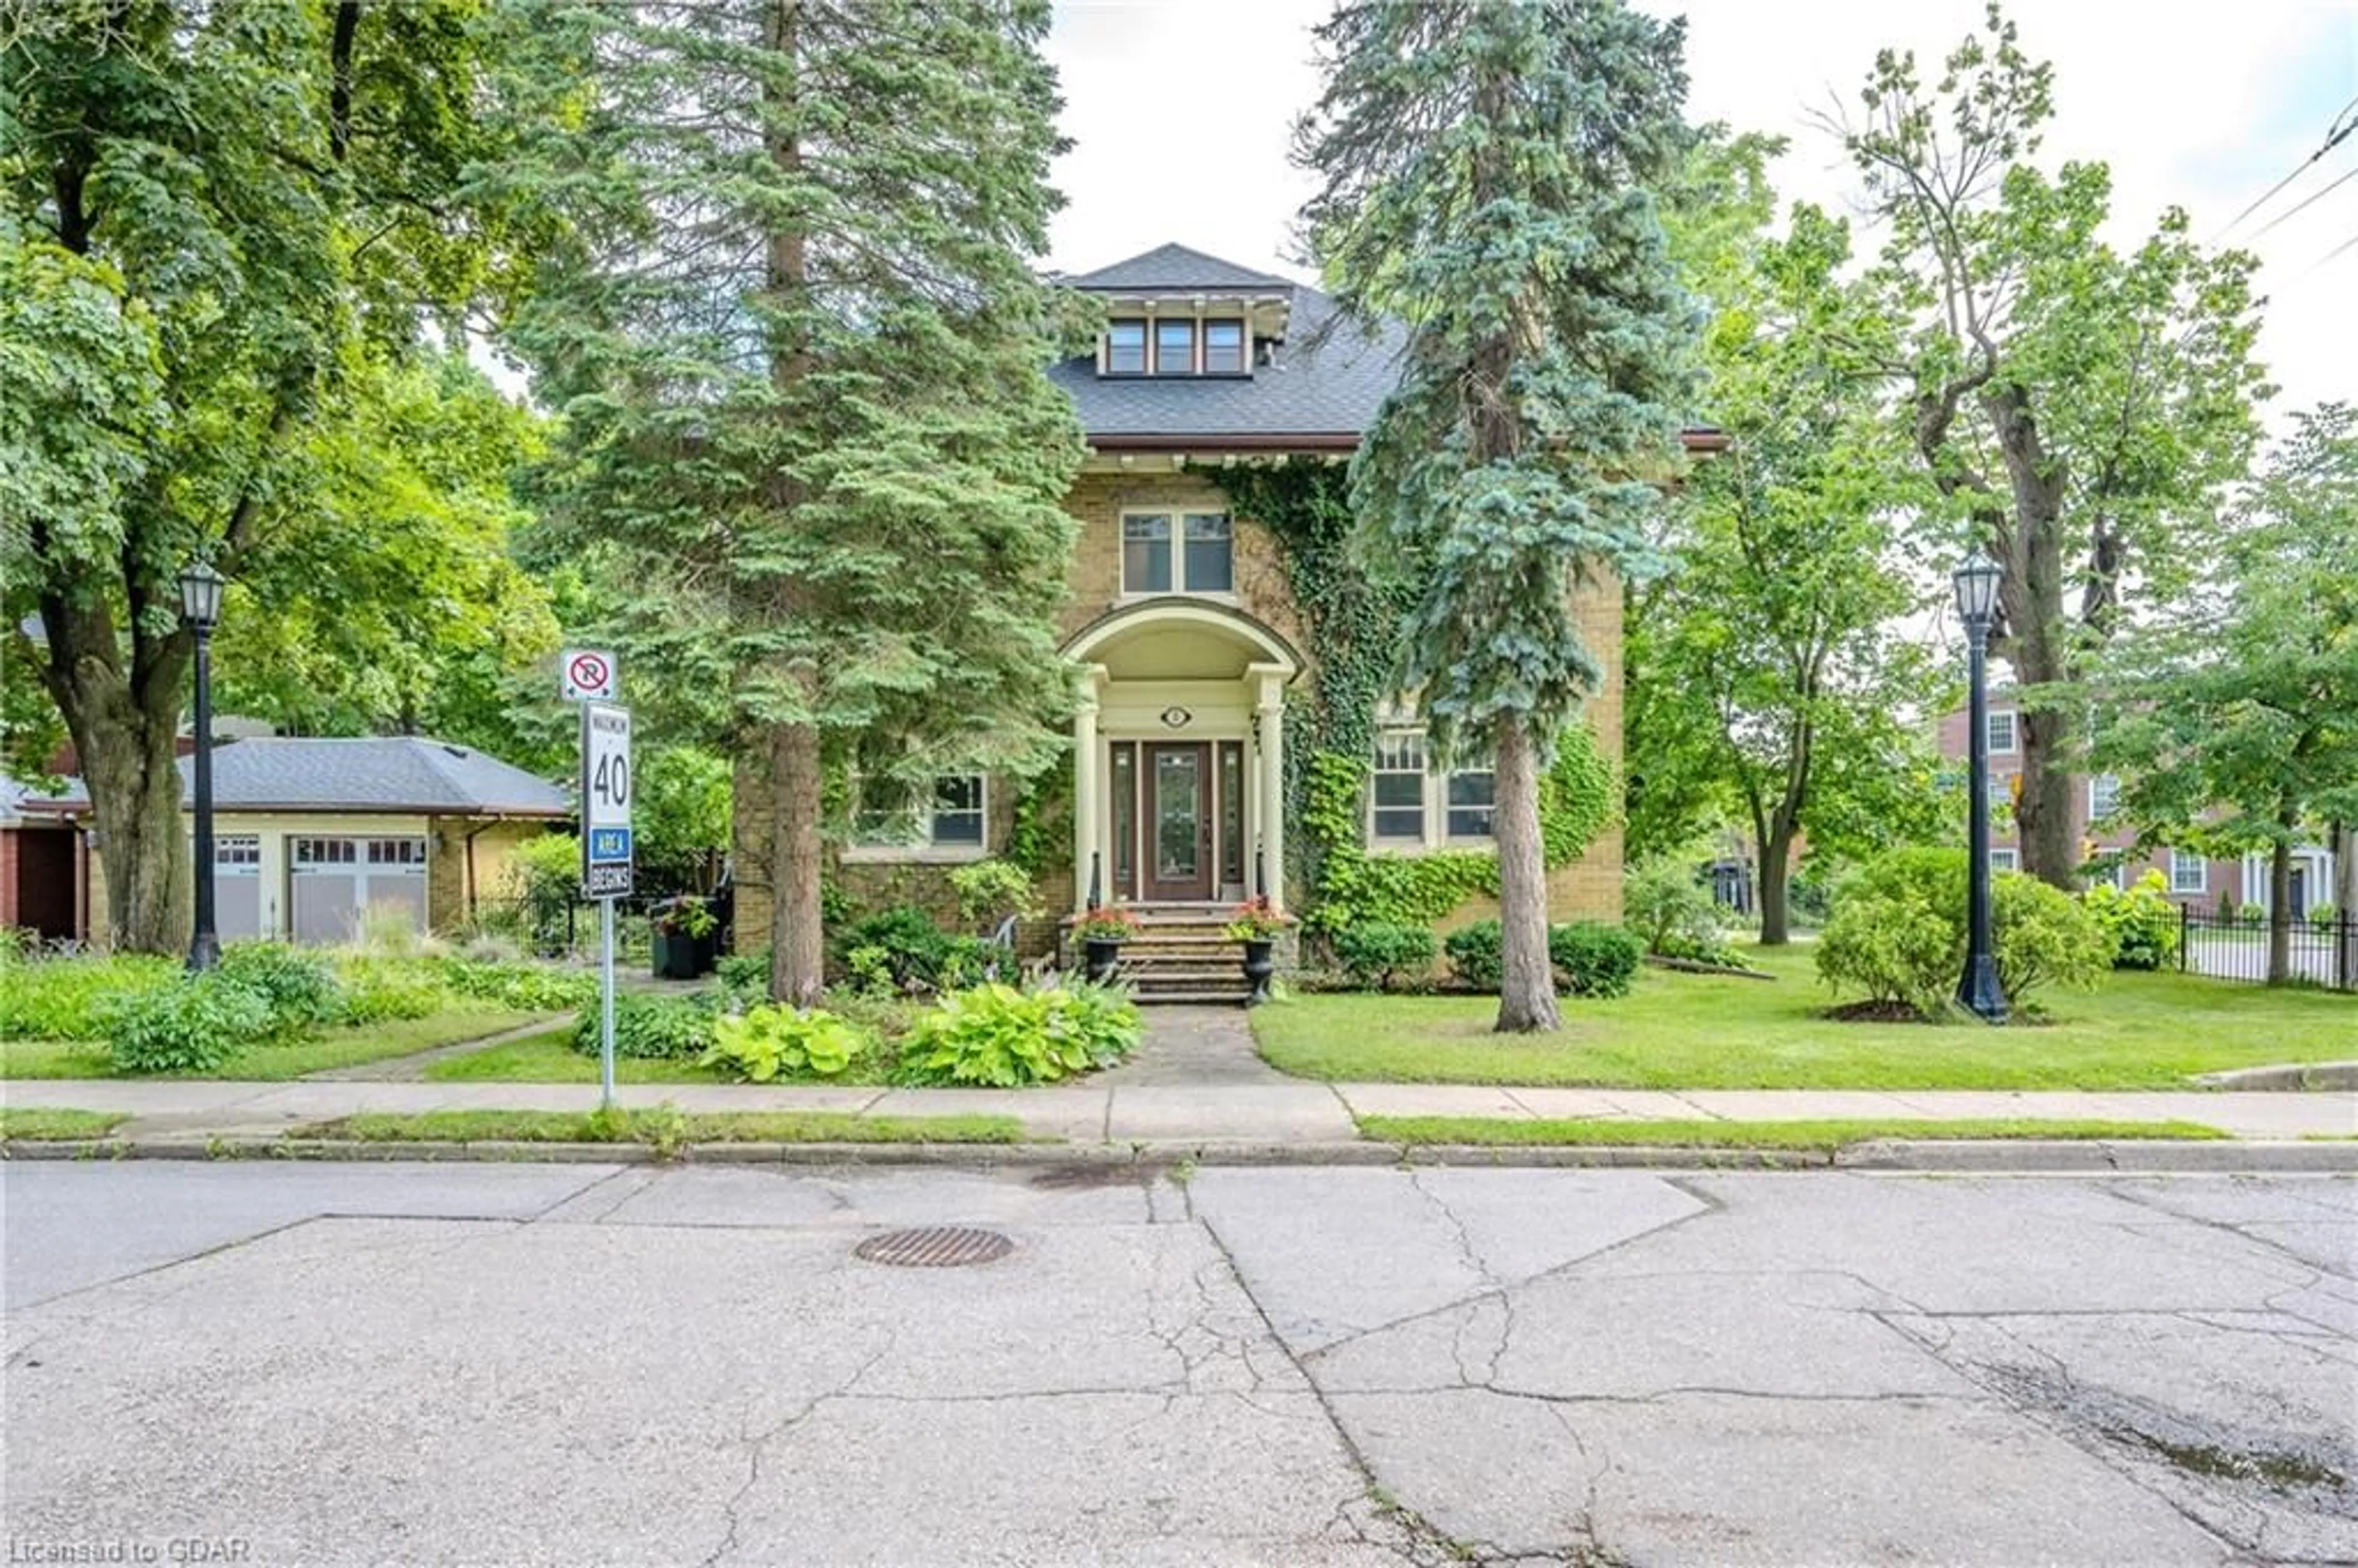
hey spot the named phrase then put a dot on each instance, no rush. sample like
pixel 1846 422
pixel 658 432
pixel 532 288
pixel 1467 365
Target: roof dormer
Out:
pixel 1174 312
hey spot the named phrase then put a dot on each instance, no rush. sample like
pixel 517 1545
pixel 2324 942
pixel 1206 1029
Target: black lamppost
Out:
pixel 1978 990
pixel 200 597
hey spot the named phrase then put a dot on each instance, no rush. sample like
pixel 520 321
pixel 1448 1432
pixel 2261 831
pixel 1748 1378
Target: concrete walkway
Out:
pixel 1120 1109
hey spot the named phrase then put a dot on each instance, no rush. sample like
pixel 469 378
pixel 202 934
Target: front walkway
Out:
pixel 1120 1108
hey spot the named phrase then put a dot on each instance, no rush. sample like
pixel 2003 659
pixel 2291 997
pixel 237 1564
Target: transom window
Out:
pixel 1126 347
pixel 1206 563
pixel 2189 872
pixel 2001 731
pixel 1224 348
pixel 1412 804
pixel 949 818
pixel 1174 347
pixel 238 855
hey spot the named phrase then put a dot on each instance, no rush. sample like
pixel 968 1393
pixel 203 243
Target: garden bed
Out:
pixel 338 1045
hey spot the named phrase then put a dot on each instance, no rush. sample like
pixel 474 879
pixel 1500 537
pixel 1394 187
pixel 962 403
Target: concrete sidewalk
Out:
pixel 1110 1110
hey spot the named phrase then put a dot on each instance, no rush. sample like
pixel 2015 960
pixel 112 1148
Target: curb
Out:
pixel 1992 1157
pixel 2300 1075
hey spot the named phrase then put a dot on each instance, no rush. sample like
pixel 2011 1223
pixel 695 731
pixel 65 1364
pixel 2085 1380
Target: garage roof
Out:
pixel 406 772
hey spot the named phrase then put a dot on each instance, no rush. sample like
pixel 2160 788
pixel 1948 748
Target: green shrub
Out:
pixel 526 987
pixel 772 1042
pixel 744 975
pixel 2322 915
pixel 2140 924
pixel 1594 959
pixel 989 891
pixel 912 946
pixel 1900 928
pixel 1376 952
pixel 971 960
pixel 1475 955
pixel 545 874
pixel 376 989
pixel 297 986
pixel 998 1036
pixel 651 1027
pixel 1672 913
pixel 192 1026
pixel 67 999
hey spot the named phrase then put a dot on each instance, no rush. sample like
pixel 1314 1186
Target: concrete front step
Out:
pixel 1236 998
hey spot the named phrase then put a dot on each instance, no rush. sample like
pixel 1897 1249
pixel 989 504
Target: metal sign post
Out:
pixel 605 852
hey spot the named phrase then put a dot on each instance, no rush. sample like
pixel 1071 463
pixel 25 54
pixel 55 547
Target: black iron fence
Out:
pixel 2237 947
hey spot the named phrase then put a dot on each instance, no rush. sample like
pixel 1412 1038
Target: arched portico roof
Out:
pixel 1175 621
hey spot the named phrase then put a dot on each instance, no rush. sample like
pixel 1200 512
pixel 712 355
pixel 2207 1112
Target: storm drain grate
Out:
pixel 934 1247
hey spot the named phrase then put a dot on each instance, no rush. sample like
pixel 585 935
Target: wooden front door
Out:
pixel 1179 817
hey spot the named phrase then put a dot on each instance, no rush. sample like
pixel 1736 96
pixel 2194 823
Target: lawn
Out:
pixel 1708 1032
pixel 342 1046
pixel 548 1057
pixel 1824 1137
pixel 667 1127
pixel 50 1123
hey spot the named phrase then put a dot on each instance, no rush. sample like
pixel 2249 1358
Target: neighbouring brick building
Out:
pixel 2110 844
pixel 1183 634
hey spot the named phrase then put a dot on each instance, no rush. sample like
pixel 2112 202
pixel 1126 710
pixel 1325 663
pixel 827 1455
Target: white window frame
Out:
pixel 1194 345
pixel 1422 773
pixel 1434 834
pixel 924 845
pixel 2013 732
pixel 1244 344
pixel 2095 794
pixel 1177 515
pixel 2005 857
pixel 2178 861
pixel 1146 344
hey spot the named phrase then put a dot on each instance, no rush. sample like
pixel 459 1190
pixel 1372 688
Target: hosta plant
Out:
pixel 775 1042
pixel 1003 1037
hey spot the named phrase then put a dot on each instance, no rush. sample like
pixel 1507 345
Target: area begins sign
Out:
pixel 588 676
pixel 605 800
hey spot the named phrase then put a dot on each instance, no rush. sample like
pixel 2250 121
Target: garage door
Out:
pixel 338 885
pixel 237 887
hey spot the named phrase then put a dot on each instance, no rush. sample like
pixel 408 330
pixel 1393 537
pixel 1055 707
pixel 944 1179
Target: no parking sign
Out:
pixel 589 675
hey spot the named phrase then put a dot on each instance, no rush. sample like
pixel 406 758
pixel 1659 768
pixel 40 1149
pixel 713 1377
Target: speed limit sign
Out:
pixel 605 800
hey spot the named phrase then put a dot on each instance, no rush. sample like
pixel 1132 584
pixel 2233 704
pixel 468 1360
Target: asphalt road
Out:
pixel 522 1364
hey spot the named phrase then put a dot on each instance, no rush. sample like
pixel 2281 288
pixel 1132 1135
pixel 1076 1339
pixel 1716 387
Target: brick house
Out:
pixel 2191 878
pixel 1184 641
pixel 312 836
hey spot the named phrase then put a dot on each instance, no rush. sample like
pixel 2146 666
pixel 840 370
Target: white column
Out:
pixel 1270 723
pixel 1086 788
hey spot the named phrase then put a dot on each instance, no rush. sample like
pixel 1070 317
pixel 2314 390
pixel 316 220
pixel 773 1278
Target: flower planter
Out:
pixel 679 957
pixel 1259 964
pixel 1103 956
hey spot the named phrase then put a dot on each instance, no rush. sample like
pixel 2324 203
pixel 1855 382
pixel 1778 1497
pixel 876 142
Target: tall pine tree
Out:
pixel 1487 167
pixel 800 349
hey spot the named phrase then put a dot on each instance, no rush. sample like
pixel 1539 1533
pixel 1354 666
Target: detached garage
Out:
pixel 314 839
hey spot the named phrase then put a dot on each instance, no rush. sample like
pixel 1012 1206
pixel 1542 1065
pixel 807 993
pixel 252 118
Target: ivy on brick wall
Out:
pixel 1352 614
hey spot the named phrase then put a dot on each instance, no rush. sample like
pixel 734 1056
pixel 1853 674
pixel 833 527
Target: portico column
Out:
pixel 1085 792
pixel 1269 725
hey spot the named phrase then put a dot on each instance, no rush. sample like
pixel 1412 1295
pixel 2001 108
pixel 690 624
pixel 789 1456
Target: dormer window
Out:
pixel 1174 347
pixel 1126 347
pixel 1224 348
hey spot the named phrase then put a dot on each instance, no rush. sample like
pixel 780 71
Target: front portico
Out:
pixel 1179 755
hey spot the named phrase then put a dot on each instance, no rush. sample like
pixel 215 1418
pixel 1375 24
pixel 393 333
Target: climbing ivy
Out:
pixel 1352 615
pixel 1040 836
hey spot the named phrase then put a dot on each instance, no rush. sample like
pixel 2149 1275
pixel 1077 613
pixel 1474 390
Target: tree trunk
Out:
pixel 2034 644
pixel 2281 911
pixel 1776 878
pixel 797 945
pixel 1527 979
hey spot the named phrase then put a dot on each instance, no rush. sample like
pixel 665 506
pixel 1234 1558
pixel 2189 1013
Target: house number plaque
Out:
pixel 1177 718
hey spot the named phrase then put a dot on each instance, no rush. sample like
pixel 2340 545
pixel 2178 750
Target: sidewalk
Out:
pixel 1110 1110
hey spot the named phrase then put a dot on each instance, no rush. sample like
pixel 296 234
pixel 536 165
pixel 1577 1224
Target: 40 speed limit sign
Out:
pixel 605 800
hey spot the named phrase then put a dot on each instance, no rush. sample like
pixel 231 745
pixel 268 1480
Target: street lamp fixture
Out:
pixel 1976 580
pixel 200 602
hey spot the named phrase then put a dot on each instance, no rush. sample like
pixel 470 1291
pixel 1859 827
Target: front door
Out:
pixel 1178 820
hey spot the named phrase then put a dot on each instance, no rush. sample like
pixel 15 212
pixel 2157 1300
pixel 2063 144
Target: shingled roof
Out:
pixel 1173 268
pixel 396 773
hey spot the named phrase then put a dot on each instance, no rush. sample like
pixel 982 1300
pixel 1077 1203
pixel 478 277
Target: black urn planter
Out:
pixel 1103 956
pixel 678 956
pixel 1259 964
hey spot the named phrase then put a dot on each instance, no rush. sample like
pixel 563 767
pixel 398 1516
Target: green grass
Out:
pixel 667 1128
pixel 343 1046
pixel 1822 1136
pixel 43 1122
pixel 548 1057
pixel 1710 1031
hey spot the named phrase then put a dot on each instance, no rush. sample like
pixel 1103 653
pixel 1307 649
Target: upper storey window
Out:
pixel 1174 347
pixel 1182 345
pixel 1224 348
pixel 1126 347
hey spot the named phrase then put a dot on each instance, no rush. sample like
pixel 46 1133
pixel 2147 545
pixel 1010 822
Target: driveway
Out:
pixel 584 1364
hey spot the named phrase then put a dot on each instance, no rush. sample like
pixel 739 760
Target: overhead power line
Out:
pixel 2336 133
pixel 2346 177
pixel 2336 251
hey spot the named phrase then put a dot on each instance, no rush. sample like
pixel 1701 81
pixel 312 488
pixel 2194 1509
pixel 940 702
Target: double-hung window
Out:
pixel 1224 348
pixel 1397 814
pixel 1414 805
pixel 2103 797
pixel 2001 731
pixel 1125 348
pixel 947 816
pixel 1204 560
pixel 2189 872
pixel 1174 347
pixel 1473 791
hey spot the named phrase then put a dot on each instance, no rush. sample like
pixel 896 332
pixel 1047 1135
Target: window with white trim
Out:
pixel 1473 795
pixel 1396 814
pixel 238 855
pixel 1174 347
pixel 2103 797
pixel 1205 562
pixel 2005 857
pixel 1414 805
pixel 1125 348
pixel 2002 731
pixel 950 816
pixel 1224 348
pixel 2189 872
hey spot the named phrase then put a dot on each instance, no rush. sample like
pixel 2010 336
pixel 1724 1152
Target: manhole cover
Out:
pixel 934 1247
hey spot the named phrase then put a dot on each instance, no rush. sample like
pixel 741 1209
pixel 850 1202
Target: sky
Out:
pixel 1179 111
